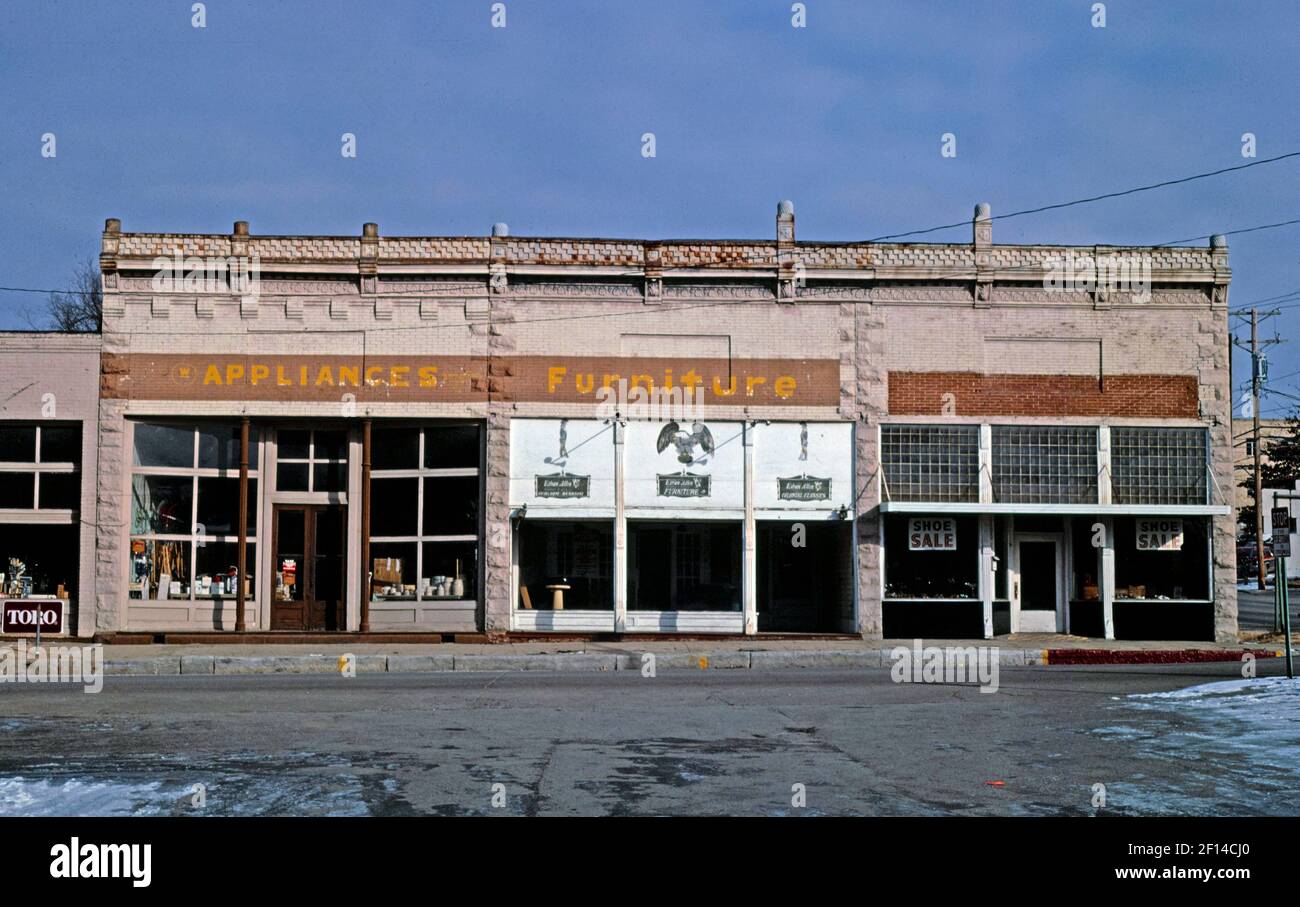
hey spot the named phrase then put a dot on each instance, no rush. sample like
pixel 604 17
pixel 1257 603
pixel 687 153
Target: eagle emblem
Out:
pixel 684 441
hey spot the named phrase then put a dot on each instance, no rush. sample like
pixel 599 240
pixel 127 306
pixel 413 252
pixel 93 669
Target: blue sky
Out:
pixel 459 124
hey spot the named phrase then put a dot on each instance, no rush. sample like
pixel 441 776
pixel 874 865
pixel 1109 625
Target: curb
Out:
pixel 602 662
pixel 1151 656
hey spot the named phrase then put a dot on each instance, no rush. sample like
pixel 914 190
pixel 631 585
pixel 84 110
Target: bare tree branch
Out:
pixel 81 308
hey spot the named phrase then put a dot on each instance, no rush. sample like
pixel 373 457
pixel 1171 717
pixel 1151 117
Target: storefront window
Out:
pixel 185 512
pixel 565 562
pixel 1162 558
pixel 931 556
pixel 39 560
pixel 424 519
pixel 691 566
pixel 40 473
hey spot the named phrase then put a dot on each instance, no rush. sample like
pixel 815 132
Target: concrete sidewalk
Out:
pixel 627 655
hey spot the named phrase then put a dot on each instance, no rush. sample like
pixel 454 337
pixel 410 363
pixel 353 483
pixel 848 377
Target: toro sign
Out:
pixel 21 616
pixel 932 534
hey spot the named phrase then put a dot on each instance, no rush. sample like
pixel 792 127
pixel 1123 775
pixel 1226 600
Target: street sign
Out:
pixel 1280 517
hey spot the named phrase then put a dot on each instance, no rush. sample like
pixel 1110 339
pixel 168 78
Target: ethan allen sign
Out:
pixel 558 485
pixel 455 379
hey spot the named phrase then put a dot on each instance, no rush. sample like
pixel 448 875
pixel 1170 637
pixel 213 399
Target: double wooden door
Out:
pixel 310 568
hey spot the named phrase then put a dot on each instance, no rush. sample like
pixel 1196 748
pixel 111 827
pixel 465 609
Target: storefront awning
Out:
pixel 1058 509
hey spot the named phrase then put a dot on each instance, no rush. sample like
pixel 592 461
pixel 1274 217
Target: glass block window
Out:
pixel 931 462
pixel 1158 465
pixel 1044 464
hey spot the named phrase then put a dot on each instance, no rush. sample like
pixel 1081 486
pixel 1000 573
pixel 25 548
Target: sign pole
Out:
pixel 1281 519
pixel 1286 618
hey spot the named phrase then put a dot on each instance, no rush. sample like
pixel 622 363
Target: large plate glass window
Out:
pixel 184 542
pixel 426 489
pixel 931 556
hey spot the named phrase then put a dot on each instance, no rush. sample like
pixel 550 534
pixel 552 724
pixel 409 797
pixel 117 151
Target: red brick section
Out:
pixel 974 394
pixel 1149 656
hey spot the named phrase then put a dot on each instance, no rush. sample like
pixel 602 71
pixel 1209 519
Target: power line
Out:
pixel 1285 223
pixel 1097 198
pixel 772 260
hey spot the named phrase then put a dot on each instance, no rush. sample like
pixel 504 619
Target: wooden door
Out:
pixel 309 567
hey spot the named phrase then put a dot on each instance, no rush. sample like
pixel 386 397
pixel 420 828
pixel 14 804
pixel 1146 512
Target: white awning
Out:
pixel 1058 509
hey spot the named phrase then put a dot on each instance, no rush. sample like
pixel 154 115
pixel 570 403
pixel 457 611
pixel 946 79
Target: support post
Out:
pixel 241 556
pixel 365 526
pixel 749 565
pixel 620 534
pixel 986 576
pixel 1108 576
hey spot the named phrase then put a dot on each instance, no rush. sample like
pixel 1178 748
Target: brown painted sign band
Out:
pixel 460 379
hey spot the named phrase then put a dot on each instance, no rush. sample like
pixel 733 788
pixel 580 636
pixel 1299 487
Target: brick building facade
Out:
pixel 451 434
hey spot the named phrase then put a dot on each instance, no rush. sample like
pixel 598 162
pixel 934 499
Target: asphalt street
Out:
pixel 1255 609
pixel 701 743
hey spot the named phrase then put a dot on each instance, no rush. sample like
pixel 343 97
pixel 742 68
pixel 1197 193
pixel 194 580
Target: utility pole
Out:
pixel 1259 476
pixel 1258 381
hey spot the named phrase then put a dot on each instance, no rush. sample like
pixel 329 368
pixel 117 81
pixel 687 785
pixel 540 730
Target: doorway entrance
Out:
pixel 310 567
pixel 1038 605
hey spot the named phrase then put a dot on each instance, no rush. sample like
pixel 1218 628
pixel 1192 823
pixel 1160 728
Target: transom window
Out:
pixel 1158 465
pixel 185 511
pixel 311 460
pixel 931 462
pixel 1044 464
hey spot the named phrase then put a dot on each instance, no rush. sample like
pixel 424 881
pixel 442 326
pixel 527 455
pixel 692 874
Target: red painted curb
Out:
pixel 1149 656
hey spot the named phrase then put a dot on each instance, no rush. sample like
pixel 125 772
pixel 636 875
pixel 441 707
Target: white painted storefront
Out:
pixel 680 504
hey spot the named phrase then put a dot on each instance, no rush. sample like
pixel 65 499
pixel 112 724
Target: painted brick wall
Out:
pixel 972 394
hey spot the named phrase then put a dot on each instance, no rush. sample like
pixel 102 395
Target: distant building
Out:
pixel 1244 465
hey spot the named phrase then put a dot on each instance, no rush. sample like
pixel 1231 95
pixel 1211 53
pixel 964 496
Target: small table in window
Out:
pixel 557 595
